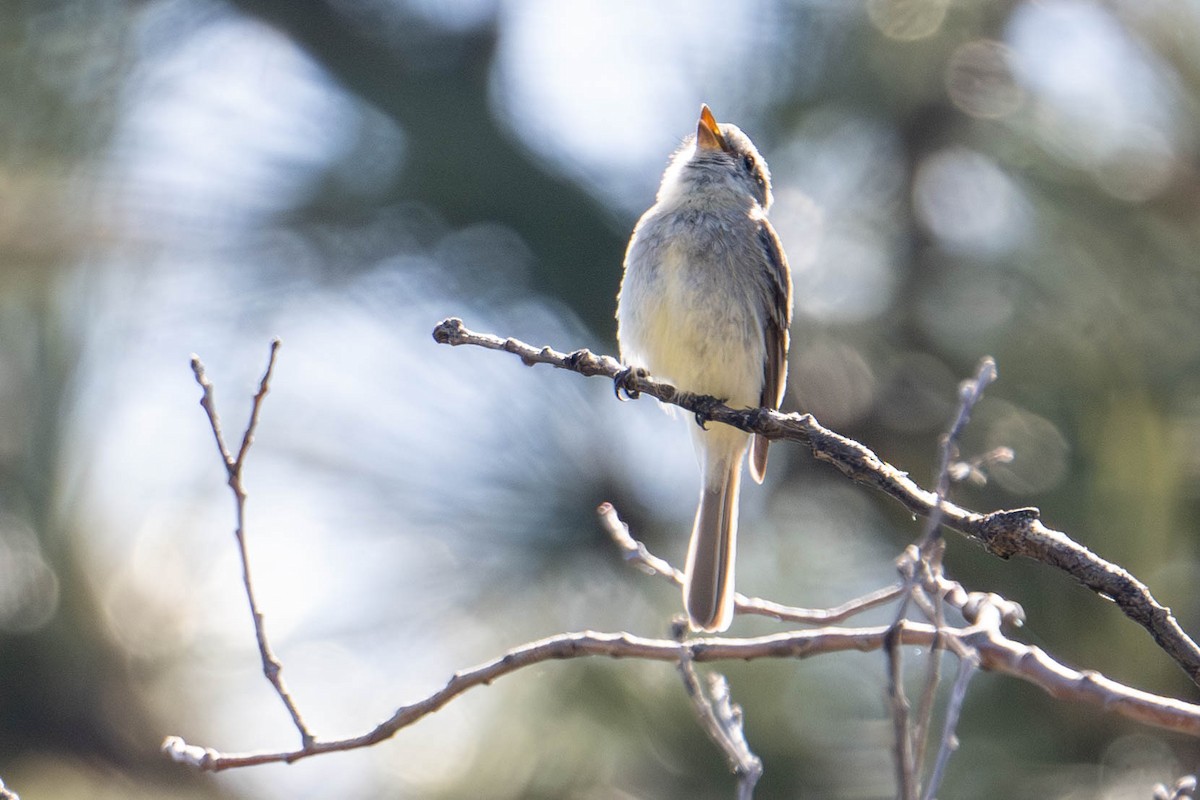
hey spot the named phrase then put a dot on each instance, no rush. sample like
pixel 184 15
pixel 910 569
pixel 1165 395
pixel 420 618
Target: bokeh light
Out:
pixel 952 180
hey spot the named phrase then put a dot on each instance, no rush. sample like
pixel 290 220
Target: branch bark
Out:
pixel 722 721
pixel 996 654
pixel 1007 533
pixel 981 641
pixel 271 665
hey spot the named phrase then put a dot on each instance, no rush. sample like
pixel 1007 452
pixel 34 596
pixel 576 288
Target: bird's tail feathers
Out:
pixel 708 578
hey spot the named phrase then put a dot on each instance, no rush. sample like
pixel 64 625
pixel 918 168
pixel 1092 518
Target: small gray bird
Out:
pixel 705 304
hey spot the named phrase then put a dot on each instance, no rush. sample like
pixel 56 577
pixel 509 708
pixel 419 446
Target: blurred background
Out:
pixel 954 178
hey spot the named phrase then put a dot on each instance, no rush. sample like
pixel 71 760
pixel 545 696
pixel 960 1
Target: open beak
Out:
pixel 708 133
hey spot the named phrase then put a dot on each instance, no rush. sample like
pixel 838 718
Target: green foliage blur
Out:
pixel 954 179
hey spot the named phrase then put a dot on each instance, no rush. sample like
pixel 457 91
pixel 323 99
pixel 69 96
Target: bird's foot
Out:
pixel 626 381
pixel 702 406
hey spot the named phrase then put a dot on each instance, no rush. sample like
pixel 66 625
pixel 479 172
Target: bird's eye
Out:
pixel 748 162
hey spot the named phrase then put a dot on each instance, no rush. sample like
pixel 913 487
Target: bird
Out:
pixel 705 304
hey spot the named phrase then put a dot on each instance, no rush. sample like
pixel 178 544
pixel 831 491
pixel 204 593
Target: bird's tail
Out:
pixel 708 579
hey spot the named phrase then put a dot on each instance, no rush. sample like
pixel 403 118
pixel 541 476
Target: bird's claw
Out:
pixel 626 381
pixel 704 406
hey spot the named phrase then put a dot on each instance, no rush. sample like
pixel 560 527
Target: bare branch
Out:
pixel 933 676
pixel 980 645
pixel 927 569
pixel 729 714
pixel 637 553
pixel 905 763
pixel 996 654
pixel 210 408
pixel 633 550
pixel 970 392
pixel 272 666
pixel 1008 533
pixel 722 721
pixel 966 670
pixel 264 386
pixel 6 793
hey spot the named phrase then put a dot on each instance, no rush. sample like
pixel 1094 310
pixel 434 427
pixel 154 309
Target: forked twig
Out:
pixel 272 667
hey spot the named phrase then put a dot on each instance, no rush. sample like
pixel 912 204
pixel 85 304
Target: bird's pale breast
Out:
pixel 696 319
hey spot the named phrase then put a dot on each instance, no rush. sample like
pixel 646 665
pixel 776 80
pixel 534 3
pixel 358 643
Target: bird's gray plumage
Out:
pixel 705 303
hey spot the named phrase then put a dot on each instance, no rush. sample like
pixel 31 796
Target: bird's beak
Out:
pixel 708 133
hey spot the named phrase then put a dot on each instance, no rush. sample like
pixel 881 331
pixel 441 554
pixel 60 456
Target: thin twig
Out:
pixel 906 768
pixel 730 716
pixel 922 572
pixel 634 550
pixel 932 547
pixel 969 604
pixel 925 706
pixel 966 669
pixel 637 553
pixel 272 666
pixel 1008 533
pixel 970 392
pixel 904 761
pixel 996 654
pixel 722 721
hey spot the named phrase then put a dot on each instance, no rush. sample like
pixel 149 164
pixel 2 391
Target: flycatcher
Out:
pixel 705 304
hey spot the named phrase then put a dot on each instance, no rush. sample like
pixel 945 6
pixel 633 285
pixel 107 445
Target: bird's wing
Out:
pixel 778 318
